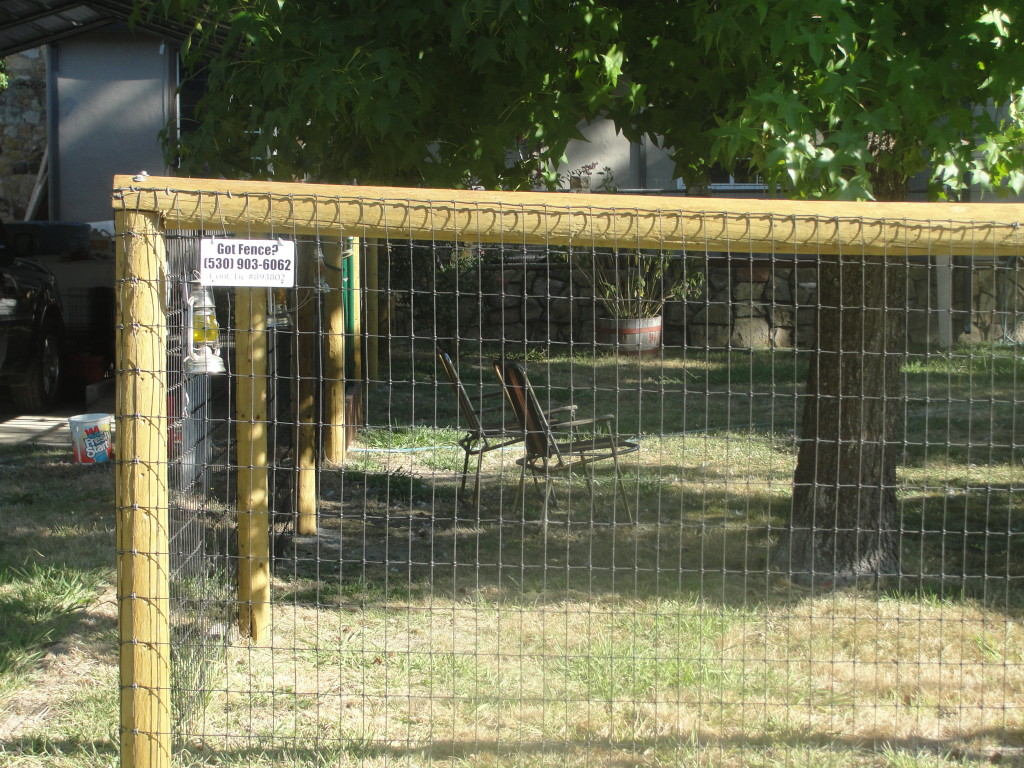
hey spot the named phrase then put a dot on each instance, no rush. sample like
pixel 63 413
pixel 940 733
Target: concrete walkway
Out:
pixel 52 428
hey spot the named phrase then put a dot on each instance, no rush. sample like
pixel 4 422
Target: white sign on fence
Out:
pixel 247 262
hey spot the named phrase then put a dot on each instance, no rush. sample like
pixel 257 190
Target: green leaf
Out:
pixel 1016 182
pixel 613 64
pixel 796 87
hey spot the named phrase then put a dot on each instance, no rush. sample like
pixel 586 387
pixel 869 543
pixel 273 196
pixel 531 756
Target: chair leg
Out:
pixel 549 491
pixel 589 477
pixel 549 496
pixel 465 471
pixel 622 488
pixel 521 488
pixel 476 488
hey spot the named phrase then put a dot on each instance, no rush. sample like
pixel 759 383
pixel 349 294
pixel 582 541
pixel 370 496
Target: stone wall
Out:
pixel 745 305
pixel 758 306
pixel 997 300
pixel 23 135
pixel 751 306
pixel 534 302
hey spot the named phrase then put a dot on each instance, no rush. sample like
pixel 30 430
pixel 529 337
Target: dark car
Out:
pixel 31 327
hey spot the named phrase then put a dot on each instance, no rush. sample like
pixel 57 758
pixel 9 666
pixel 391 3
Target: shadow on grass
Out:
pixel 959 536
pixel 402 538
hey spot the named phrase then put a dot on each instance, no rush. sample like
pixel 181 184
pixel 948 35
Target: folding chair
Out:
pixel 548 452
pixel 482 435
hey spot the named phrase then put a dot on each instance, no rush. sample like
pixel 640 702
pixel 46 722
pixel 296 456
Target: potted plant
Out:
pixel 632 286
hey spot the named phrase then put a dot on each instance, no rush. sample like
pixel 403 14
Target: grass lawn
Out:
pixel 58 615
pixel 418 628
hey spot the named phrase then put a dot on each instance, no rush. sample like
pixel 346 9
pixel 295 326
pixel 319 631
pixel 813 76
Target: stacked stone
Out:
pixel 922 305
pixel 748 306
pixel 23 139
pixel 539 302
pixel 710 324
pixel 805 305
pixel 997 297
pixel 754 306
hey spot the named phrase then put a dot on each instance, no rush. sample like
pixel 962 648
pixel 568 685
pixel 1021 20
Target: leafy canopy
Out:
pixel 840 98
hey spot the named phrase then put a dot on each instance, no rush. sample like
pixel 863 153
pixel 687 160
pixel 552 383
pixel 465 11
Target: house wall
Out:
pixel 618 164
pixel 111 94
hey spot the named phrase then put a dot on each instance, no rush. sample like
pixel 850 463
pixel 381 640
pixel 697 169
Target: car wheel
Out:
pixel 39 390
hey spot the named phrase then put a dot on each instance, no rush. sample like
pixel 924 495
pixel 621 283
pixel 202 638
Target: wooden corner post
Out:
pixel 143 575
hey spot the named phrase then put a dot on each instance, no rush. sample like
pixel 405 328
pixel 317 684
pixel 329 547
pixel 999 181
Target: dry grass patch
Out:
pixel 839 678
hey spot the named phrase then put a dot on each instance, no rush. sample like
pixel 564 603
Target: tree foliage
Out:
pixel 416 91
pixel 832 98
pixel 823 98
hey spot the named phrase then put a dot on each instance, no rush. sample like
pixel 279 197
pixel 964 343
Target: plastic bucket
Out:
pixel 90 438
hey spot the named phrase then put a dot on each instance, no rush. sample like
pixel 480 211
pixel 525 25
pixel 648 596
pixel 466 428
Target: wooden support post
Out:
pixel 356 288
pixel 143 576
pixel 307 331
pixel 944 293
pixel 372 310
pixel 251 439
pixel 334 355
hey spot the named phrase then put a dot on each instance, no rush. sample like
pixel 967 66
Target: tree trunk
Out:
pixel 843 525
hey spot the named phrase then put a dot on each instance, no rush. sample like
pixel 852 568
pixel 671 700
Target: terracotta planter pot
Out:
pixel 640 336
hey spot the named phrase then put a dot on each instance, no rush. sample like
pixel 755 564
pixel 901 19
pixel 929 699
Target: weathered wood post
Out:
pixel 143 562
pixel 334 354
pixel 372 310
pixel 355 288
pixel 251 438
pixel 307 327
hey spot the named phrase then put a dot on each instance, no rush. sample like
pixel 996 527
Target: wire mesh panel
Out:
pixel 589 480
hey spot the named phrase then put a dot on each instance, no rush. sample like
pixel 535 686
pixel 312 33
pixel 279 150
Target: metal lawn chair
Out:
pixel 549 452
pixel 484 433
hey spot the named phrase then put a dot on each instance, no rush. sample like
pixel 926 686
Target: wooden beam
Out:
pixel 780 227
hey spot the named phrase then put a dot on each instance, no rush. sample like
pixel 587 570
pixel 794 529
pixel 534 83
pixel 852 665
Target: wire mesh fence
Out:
pixel 439 508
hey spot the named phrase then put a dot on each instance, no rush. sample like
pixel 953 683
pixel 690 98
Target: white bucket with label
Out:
pixel 90 438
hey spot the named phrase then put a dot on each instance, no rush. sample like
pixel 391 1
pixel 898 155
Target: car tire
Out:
pixel 40 388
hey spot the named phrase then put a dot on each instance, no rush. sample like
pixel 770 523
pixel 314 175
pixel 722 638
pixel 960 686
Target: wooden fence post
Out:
pixel 307 331
pixel 143 562
pixel 251 435
pixel 334 354
pixel 356 289
pixel 372 310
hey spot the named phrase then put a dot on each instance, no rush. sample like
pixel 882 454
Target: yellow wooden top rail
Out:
pixel 781 227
